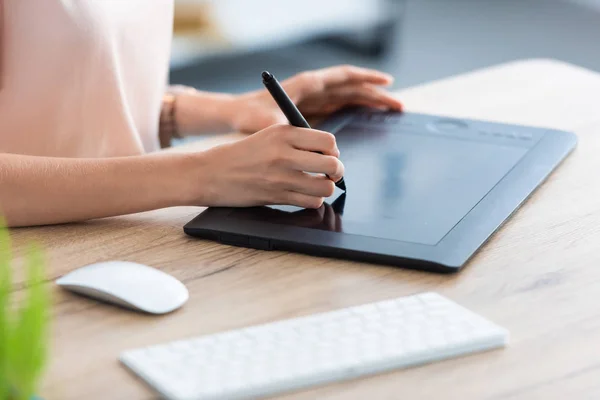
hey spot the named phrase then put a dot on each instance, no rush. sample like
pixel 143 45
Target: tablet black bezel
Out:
pixel 448 255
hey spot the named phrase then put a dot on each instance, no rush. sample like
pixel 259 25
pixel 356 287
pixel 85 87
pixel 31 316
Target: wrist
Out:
pixel 190 173
pixel 198 112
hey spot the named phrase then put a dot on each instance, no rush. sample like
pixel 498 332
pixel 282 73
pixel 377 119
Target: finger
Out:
pixel 350 74
pixel 333 107
pixel 306 161
pixel 312 140
pixel 301 200
pixel 311 82
pixel 365 94
pixel 312 185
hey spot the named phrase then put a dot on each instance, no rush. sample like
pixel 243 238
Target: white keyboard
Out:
pixel 277 357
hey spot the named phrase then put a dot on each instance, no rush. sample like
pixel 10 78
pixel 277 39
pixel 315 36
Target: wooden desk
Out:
pixel 539 276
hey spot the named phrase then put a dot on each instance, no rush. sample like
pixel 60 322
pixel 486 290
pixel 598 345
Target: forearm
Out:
pixel 198 112
pixel 44 190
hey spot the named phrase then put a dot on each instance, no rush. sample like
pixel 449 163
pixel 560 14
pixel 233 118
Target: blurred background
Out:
pixel 223 45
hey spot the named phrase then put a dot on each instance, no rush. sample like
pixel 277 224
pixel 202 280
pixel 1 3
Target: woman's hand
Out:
pixel 316 93
pixel 274 166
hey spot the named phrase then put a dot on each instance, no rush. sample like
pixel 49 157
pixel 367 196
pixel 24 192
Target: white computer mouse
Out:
pixel 128 284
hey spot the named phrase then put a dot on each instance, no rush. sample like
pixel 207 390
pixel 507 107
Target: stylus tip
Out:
pixel 267 76
pixel 341 184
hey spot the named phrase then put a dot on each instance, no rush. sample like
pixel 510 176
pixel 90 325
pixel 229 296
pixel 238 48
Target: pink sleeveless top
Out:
pixel 83 78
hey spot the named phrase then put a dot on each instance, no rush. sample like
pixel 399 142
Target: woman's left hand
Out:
pixel 316 93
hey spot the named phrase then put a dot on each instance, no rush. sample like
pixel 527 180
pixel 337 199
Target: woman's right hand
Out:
pixel 272 166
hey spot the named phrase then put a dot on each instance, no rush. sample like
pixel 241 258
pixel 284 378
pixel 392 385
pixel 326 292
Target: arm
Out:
pixel 195 112
pixel 316 93
pixel 44 190
pixel 265 168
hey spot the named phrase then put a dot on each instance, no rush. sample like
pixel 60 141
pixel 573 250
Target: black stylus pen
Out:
pixel 289 109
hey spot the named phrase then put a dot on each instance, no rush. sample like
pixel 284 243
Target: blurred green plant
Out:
pixel 23 330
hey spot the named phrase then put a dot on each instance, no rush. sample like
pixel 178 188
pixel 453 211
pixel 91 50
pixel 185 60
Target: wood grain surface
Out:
pixel 539 276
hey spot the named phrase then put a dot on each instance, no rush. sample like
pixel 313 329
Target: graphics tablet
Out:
pixel 423 191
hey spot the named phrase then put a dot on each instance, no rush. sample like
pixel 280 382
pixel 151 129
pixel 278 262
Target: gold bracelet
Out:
pixel 168 128
pixel 168 121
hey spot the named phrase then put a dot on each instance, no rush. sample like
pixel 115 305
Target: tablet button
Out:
pixel 525 136
pixel 447 125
